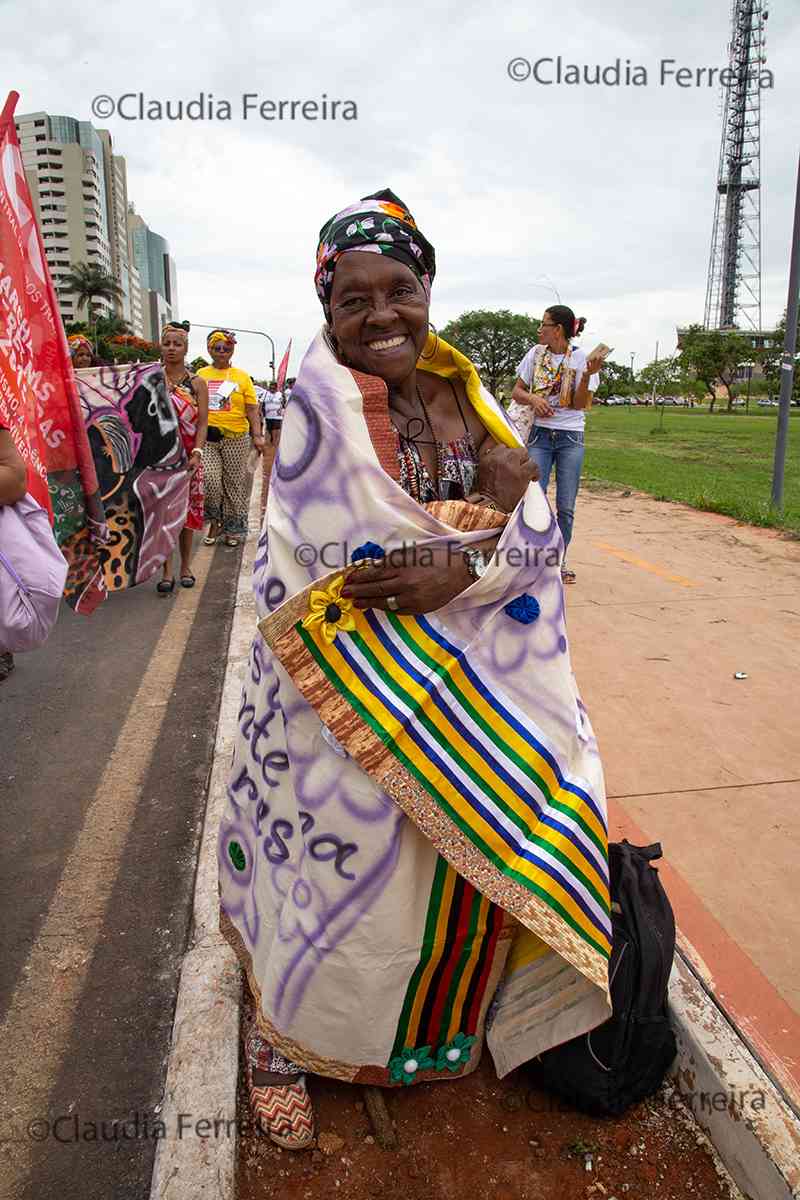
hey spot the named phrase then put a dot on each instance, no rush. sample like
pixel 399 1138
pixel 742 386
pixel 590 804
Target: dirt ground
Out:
pixel 490 1139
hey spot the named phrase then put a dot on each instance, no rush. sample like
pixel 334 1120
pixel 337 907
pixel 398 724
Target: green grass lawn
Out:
pixel 713 461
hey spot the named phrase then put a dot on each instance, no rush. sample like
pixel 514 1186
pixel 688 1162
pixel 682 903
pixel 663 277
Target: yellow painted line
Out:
pixel 643 565
pixel 39 1021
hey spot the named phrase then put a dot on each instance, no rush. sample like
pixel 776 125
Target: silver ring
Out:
pixel 391 602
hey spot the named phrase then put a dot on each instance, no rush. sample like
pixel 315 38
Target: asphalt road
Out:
pixel 106 737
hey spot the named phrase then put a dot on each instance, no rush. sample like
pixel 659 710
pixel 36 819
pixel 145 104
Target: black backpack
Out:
pixel 625 1059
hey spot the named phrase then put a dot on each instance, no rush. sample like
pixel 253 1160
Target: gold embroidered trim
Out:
pixel 317 1064
pixel 378 761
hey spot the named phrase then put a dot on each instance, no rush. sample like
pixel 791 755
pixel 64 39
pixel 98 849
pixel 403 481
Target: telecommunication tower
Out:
pixel 733 294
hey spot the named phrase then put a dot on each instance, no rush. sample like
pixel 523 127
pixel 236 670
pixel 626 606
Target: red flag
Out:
pixel 284 367
pixel 38 396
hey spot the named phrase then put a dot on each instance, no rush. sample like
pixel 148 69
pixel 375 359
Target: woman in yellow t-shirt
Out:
pixel 234 421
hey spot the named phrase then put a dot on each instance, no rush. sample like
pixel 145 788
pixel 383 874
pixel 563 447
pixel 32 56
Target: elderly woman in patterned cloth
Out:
pixel 415 826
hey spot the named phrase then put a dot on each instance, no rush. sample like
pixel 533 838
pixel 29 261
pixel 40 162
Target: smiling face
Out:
pixel 221 352
pixel 379 315
pixel 82 357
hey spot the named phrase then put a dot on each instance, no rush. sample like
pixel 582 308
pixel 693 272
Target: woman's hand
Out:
pixel 259 442
pixel 539 403
pixel 504 473
pixel 414 587
pixel 195 463
pixel 594 364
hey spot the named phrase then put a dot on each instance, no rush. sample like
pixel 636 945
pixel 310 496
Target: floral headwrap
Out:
pixel 382 224
pixel 220 335
pixel 182 327
pixel 76 342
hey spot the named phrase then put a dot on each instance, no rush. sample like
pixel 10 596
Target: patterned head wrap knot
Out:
pixel 181 327
pixel 382 224
pixel 220 335
pixel 78 341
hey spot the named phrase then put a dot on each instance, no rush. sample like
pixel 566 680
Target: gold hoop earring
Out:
pixel 434 352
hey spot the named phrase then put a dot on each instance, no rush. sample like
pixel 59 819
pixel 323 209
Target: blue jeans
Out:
pixel 564 448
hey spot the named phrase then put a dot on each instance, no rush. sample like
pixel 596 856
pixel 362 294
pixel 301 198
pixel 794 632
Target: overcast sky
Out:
pixel 608 191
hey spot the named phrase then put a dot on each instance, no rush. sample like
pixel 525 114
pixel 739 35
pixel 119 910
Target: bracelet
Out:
pixel 197 450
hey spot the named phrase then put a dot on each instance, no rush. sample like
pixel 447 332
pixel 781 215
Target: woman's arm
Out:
pixel 201 396
pixel 583 396
pixel 254 420
pixel 540 404
pixel 200 390
pixel 13 474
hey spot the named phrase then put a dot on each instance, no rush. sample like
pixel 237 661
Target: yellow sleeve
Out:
pixel 248 390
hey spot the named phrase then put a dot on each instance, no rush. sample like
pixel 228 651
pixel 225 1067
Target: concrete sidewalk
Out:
pixel 669 605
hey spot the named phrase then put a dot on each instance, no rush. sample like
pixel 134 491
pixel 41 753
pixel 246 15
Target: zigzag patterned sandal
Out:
pixel 279 1099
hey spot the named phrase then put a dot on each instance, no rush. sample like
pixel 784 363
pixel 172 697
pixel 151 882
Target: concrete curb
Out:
pixel 754 1131
pixel 197 1161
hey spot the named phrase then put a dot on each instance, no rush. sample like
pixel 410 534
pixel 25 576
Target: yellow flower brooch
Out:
pixel 329 612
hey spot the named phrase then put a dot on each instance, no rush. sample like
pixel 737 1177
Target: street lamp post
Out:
pixel 787 360
pixel 234 329
pixel 749 378
pixel 552 286
pixel 633 380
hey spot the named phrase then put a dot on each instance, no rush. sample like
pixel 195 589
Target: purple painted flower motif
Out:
pixel 237 878
pixel 524 609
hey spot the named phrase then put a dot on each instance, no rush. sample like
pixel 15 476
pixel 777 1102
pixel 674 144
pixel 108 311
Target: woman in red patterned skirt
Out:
pixel 189 395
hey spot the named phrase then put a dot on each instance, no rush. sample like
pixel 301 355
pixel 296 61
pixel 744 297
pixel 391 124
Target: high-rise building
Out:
pixel 79 189
pixel 157 277
pixel 66 172
pixel 116 179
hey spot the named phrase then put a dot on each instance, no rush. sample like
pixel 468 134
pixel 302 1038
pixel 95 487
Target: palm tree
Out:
pixel 111 327
pixel 89 284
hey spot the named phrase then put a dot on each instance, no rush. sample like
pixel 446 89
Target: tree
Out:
pixel 494 341
pixel 111 327
pixel 713 356
pixel 127 348
pixel 615 380
pixel 773 354
pixel 89 284
pixel 199 362
pixel 660 376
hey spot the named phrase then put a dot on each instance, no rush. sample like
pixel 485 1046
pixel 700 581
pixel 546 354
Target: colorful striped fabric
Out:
pixel 480 759
pixel 445 992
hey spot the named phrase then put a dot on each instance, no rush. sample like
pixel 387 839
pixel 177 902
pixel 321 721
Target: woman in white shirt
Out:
pixel 558 382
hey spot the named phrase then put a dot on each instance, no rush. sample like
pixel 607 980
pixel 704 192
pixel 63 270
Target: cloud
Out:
pixel 607 191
